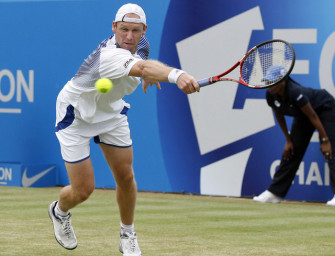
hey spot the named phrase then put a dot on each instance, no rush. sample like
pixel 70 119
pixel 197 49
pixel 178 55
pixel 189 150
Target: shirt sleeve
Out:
pixel 116 62
pixel 298 97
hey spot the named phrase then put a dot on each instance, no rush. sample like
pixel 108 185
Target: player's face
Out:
pixel 279 88
pixel 128 34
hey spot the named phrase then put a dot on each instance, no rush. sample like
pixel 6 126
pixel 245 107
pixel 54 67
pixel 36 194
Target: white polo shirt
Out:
pixel 107 61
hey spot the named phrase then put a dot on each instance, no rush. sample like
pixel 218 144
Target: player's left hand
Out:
pixel 146 83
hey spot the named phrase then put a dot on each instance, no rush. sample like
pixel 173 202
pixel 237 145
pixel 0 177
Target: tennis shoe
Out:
pixel 63 230
pixel 331 202
pixel 128 244
pixel 267 197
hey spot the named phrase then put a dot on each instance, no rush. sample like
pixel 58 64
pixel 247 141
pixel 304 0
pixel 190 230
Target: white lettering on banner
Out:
pixel 298 36
pixel 22 84
pixel 10 94
pixel 5 175
pixel 326 65
pixel 7 80
pixel 313 174
pixel 309 36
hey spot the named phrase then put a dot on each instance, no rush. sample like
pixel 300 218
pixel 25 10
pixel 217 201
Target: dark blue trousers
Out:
pixel 301 133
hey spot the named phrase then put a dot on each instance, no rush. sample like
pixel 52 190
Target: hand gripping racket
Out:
pixel 263 66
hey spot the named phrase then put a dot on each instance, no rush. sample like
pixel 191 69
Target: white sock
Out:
pixel 59 212
pixel 127 228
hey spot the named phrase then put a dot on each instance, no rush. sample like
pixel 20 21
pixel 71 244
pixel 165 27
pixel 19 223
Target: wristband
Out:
pixel 174 75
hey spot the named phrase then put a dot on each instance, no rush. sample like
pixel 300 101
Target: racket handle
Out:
pixel 204 82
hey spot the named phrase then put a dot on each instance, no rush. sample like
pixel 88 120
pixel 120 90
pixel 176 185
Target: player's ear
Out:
pixel 144 29
pixel 114 26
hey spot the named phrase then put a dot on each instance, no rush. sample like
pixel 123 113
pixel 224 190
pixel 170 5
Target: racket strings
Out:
pixel 267 64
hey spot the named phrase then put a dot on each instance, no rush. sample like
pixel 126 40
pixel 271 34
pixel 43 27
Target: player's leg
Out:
pixel 120 161
pixel 115 141
pixel 301 133
pixel 81 186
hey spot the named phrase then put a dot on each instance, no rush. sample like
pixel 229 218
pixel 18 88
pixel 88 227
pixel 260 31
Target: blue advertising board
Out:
pixel 19 175
pixel 229 143
pixel 221 141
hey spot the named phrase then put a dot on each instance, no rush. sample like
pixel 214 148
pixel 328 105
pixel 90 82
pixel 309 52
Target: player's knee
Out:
pixel 125 177
pixel 84 194
pixel 128 178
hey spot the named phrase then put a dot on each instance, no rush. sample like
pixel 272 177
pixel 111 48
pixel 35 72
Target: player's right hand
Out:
pixel 288 150
pixel 188 84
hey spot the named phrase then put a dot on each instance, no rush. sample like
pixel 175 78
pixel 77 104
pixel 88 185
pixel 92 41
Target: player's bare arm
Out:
pixel 314 118
pixel 325 147
pixel 153 72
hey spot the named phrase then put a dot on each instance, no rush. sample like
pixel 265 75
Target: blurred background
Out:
pixel 223 141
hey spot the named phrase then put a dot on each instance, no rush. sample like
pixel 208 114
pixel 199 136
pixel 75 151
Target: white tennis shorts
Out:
pixel 74 134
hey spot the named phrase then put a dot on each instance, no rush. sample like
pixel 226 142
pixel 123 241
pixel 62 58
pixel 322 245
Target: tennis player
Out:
pixel 83 113
pixel 312 110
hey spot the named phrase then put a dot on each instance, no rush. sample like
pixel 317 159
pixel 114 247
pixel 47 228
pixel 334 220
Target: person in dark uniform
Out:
pixel 311 109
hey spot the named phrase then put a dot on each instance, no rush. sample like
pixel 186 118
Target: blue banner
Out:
pixel 226 141
pixel 221 141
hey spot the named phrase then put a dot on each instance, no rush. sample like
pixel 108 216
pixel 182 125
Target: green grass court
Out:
pixel 168 224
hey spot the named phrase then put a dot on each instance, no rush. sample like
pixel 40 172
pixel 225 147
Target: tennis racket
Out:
pixel 263 66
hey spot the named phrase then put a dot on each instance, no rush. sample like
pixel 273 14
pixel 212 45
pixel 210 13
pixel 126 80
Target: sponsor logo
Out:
pixel 5 175
pixel 307 173
pixel 13 87
pixel 277 103
pixel 299 97
pixel 28 181
pixel 126 64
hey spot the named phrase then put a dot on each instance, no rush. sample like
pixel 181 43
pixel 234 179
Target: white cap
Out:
pixel 130 8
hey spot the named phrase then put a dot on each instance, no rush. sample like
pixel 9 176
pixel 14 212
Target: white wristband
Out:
pixel 174 75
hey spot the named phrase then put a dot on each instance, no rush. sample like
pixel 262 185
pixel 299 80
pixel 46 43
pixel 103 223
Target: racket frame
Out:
pixel 214 79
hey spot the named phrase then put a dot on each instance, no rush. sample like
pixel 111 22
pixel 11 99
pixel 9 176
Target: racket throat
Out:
pixel 213 79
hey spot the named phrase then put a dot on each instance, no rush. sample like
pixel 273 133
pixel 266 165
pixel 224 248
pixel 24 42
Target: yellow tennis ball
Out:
pixel 104 85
